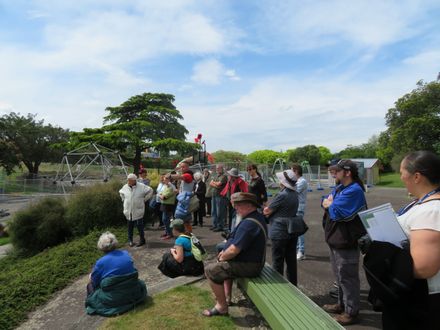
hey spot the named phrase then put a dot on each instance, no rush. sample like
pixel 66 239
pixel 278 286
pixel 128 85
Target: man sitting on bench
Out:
pixel 243 254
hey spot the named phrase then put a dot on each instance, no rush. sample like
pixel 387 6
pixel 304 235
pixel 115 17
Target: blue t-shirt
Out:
pixel 347 201
pixel 117 262
pixel 185 243
pixel 249 238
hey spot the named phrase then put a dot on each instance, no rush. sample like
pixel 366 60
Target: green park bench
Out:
pixel 283 305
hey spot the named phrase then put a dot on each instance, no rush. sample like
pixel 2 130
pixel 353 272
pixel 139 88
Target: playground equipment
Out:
pixel 103 161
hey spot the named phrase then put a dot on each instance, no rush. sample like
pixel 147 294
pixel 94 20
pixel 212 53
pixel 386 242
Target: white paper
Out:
pixel 382 225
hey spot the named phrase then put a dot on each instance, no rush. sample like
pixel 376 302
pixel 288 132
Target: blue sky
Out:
pixel 247 74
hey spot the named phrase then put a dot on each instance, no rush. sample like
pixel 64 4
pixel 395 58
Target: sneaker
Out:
pixel 217 230
pixel 300 255
pixel 130 244
pixel 333 308
pixel 346 319
pixel 140 244
pixel 166 237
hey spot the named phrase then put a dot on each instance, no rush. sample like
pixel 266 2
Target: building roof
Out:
pixel 368 162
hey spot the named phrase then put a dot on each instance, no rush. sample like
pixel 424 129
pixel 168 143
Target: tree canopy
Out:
pixel 310 153
pixel 265 156
pixel 413 123
pixel 146 120
pixel 24 139
pixel 224 156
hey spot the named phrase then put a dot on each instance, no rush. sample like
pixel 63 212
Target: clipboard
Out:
pixel 382 225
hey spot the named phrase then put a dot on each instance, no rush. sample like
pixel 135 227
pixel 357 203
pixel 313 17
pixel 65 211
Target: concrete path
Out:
pixel 66 309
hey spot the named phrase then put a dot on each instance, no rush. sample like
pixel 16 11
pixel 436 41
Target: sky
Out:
pixel 248 75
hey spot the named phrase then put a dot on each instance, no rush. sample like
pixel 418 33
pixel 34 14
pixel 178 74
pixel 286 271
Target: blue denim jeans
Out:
pixel 214 210
pixel 222 209
pixel 166 222
pixel 300 246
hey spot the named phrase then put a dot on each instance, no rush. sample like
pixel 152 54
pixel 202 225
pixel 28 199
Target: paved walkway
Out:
pixel 66 309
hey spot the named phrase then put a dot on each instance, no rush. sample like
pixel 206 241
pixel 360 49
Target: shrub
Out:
pixel 39 226
pixel 95 207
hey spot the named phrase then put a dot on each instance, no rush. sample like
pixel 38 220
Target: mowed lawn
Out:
pixel 391 180
pixel 179 308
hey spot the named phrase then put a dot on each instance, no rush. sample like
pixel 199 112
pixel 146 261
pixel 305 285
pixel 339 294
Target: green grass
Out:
pixel 5 240
pixel 29 282
pixel 391 180
pixel 179 308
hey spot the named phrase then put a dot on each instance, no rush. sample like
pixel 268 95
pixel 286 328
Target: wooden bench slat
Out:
pixel 283 305
pixel 300 305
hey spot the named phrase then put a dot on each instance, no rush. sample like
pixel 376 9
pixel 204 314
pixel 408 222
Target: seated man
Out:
pixel 243 254
pixel 114 287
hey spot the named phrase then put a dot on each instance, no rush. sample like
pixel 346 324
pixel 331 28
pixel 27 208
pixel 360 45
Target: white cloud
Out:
pixel 211 72
pixel 208 72
pixel 301 25
pixel 282 112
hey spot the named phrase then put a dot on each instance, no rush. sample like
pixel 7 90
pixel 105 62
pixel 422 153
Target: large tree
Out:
pixel 413 123
pixel 310 153
pixel 147 120
pixel 225 156
pixel 24 139
pixel 265 156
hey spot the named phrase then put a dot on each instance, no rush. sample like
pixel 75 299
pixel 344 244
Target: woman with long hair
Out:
pixel 256 184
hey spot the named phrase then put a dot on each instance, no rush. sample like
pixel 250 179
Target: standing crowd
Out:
pixel 241 212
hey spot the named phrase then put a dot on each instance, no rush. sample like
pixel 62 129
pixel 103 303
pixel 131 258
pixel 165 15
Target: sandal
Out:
pixel 213 312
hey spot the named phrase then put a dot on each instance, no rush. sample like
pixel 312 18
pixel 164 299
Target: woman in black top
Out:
pixel 256 184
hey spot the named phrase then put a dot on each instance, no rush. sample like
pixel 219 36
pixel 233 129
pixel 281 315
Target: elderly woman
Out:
pixel 199 190
pixel 114 287
pixel 420 172
pixel 281 210
pixel 180 260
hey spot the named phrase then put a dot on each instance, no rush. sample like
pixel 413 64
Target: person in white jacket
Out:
pixel 134 195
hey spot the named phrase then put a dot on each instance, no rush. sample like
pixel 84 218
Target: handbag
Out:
pixel 194 204
pixel 297 226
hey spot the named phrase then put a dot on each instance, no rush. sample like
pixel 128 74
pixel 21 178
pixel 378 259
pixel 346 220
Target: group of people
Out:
pixel 253 220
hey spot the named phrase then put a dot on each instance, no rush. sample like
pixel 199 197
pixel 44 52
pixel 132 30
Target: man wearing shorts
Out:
pixel 243 254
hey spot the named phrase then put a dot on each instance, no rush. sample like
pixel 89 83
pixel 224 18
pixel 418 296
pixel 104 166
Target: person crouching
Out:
pixel 180 260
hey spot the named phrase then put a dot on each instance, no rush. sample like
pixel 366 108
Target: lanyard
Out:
pixel 406 208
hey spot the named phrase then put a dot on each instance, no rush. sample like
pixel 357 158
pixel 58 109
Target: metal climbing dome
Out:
pixel 89 163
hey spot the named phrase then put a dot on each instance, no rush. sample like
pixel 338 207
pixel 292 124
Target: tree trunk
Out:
pixel 32 169
pixel 137 160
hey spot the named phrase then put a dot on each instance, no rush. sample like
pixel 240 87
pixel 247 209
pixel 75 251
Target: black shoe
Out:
pixel 217 230
pixel 140 244
pixel 334 291
pixel 212 228
pixel 201 225
pixel 194 224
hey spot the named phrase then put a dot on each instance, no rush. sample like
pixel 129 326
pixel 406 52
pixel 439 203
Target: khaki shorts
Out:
pixel 218 272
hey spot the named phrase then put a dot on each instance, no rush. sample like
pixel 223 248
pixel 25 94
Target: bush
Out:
pixel 39 226
pixel 95 207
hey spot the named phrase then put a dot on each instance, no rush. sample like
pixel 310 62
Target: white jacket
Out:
pixel 134 199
